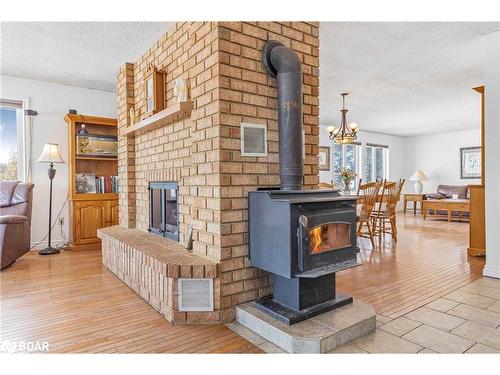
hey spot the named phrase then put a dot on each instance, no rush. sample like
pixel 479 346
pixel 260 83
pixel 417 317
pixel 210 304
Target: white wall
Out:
pixel 438 155
pixel 397 153
pixel 52 101
pixel 492 153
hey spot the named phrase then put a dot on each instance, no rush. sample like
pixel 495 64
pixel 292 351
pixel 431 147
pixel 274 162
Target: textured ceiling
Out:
pixel 403 78
pixel 85 54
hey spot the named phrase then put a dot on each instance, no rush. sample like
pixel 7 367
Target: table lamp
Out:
pixel 51 155
pixel 418 177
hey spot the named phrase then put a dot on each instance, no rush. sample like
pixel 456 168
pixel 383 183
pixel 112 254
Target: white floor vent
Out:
pixel 196 295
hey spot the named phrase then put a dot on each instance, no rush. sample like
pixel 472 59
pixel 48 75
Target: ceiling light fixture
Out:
pixel 346 133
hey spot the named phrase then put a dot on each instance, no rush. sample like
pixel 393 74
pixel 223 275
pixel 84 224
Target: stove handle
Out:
pixel 303 238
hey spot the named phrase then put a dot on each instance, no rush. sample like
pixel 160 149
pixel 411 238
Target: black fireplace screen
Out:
pixel 163 209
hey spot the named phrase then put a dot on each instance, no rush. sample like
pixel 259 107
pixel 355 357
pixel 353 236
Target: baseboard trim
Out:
pixel 491 272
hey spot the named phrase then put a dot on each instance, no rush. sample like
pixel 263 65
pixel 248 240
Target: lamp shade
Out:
pixel 418 176
pixel 50 154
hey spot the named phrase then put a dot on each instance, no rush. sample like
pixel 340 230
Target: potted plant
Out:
pixel 347 176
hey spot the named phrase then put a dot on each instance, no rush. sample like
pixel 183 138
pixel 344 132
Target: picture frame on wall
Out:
pixel 324 158
pixel 470 162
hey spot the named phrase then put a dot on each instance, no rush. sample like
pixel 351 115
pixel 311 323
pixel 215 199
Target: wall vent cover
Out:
pixel 196 294
pixel 253 139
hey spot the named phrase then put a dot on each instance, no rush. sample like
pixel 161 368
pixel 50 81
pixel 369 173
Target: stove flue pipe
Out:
pixel 282 63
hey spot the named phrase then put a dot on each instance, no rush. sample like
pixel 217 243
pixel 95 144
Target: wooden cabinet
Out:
pixel 90 211
pixel 90 216
pixel 477 234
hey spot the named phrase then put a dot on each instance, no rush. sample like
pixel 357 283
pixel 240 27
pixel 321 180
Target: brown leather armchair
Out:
pixel 15 220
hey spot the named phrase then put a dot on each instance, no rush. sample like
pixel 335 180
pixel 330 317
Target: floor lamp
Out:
pixel 50 155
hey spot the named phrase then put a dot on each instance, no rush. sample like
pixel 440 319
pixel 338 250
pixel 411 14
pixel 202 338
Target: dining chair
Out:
pixel 369 191
pixel 385 215
pixel 359 186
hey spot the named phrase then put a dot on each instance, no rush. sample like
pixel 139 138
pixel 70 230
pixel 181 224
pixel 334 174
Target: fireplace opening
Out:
pixel 163 209
pixel 329 237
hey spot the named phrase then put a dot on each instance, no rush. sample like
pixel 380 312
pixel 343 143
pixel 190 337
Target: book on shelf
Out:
pixel 89 183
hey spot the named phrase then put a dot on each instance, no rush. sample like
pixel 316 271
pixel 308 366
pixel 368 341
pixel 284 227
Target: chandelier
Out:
pixel 346 133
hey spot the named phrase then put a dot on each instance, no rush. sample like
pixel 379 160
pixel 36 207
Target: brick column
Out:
pixel 126 146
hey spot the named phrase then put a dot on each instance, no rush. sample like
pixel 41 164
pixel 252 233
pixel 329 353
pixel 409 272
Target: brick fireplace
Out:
pixel 221 62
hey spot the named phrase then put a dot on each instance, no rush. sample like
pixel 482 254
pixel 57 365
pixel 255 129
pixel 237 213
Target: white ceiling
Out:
pixel 85 54
pixel 404 78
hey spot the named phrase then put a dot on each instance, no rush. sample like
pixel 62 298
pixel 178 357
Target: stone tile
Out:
pixel 269 347
pixel 488 282
pixel 479 333
pixel 383 342
pixel 427 351
pixel 435 318
pixel 348 349
pixel 481 349
pixel 482 316
pixel 438 340
pixel 470 299
pixel 442 304
pixel 383 319
pixel 482 290
pixel 495 307
pixel 246 333
pixel 400 326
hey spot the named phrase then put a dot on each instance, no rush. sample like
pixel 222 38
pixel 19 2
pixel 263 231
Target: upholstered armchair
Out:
pixel 15 220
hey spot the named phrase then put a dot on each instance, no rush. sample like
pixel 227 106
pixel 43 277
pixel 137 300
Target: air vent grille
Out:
pixel 196 295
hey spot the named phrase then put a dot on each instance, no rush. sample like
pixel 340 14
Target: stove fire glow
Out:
pixel 329 237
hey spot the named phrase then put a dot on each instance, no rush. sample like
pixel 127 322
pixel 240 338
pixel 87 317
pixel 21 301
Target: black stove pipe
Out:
pixel 282 63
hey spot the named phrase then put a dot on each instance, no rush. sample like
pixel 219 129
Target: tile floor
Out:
pixel 464 321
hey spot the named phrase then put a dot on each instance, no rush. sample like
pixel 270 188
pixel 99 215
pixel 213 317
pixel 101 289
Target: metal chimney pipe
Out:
pixel 282 63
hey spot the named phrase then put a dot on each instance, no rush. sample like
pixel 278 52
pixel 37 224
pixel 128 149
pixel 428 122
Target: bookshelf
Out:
pixel 89 210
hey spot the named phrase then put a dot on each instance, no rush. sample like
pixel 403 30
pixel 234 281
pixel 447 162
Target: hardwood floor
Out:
pixel 428 261
pixel 74 303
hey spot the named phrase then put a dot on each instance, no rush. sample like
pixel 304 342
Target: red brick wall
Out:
pixel 228 85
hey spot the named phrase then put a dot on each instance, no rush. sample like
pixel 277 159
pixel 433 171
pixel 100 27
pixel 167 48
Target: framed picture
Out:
pixel 470 162
pixel 324 158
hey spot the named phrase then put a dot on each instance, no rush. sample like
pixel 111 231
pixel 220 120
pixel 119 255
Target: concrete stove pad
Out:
pixel 319 334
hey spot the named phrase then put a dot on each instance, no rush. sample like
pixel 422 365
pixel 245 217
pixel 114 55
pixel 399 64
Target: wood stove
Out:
pixel 302 237
pixel 163 209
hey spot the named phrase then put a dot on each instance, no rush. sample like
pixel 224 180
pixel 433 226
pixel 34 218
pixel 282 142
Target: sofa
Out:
pixel 446 192
pixel 15 220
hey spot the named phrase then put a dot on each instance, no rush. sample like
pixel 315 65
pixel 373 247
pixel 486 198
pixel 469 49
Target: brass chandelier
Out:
pixel 346 133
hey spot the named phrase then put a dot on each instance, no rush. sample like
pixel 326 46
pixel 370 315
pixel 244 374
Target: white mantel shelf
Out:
pixel 169 115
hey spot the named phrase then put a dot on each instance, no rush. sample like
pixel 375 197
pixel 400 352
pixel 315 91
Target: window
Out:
pixel 11 140
pixel 346 156
pixel 376 162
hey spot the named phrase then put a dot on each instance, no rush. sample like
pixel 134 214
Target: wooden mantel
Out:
pixel 171 114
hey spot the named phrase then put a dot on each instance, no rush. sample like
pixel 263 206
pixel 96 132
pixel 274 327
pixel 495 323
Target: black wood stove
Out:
pixel 303 237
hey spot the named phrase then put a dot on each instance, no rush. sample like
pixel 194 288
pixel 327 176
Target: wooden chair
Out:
pixel 325 185
pixel 386 213
pixel 359 186
pixel 370 195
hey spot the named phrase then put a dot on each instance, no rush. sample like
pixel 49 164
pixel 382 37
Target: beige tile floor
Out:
pixel 464 321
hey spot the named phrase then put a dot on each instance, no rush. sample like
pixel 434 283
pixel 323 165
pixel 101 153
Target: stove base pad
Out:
pixel 289 316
